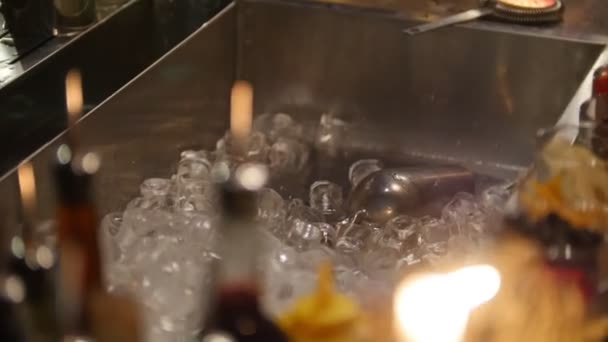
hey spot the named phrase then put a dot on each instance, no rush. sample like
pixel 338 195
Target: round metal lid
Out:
pixel 530 4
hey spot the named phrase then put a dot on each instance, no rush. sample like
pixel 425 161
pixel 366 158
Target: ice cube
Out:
pixel 495 198
pixel 191 169
pixel 432 229
pixel 361 169
pixel 330 134
pixel 285 126
pixel 297 209
pixel 194 195
pixel 304 235
pixel 381 239
pixel 352 238
pixel 110 229
pixel 327 197
pixel 288 155
pixel 302 230
pixel 380 263
pixel 196 155
pixel 277 126
pixel 145 203
pixel 155 187
pixel 465 216
pixel 272 211
pixel 328 233
pixel 256 148
pixel 404 229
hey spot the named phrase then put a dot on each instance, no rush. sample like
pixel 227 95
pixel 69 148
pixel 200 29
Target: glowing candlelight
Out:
pixel 27 188
pixel 241 112
pixel 74 103
pixel 73 95
pixel 436 307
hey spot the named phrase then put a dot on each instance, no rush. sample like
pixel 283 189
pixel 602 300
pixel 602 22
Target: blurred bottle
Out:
pixel 89 312
pixel 11 328
pixel 599 111
pixel 73 16
pixel 562 205
pixel 571 254
pixel 31 262
pixel 80 273
pixel 235 313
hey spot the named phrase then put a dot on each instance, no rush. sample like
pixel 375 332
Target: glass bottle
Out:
pixel 88 311
pixel 562 204
pixel 32 260
pixel 80 268
pixel 73 16
pixel 599 110
pixel 235 313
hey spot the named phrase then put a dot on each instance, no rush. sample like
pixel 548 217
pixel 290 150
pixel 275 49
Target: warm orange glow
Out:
pixel 530 3
pixel 241 112
pixel 27 187
pixel 73 94
pixel 436 307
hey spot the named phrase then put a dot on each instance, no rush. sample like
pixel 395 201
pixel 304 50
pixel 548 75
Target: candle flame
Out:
pixel 436 307
pixel 73 95
pixel 27 188
pixel 241 112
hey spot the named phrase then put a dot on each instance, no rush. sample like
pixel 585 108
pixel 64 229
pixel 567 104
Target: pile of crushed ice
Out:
pixel 160 247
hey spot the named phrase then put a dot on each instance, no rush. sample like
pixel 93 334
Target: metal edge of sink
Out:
pixel 125 146
pixel 108 54
pixel 42 156
pixel 575 28
pixel 570 114
pixel 389 23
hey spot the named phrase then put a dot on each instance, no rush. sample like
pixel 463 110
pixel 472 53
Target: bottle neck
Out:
pixel 239 250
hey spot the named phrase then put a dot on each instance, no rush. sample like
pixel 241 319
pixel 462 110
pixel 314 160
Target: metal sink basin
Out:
pixel 468 95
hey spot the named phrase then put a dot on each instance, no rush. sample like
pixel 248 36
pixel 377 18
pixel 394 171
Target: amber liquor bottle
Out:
pixel 80 268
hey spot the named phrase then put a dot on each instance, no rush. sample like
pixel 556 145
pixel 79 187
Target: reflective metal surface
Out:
pixel 583 19
pixel 461 95
pixel 179 102
pixel 459 18
pixel 387 193
pixel 109 55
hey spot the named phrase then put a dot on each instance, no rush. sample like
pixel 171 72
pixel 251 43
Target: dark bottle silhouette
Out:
pixel 234 304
